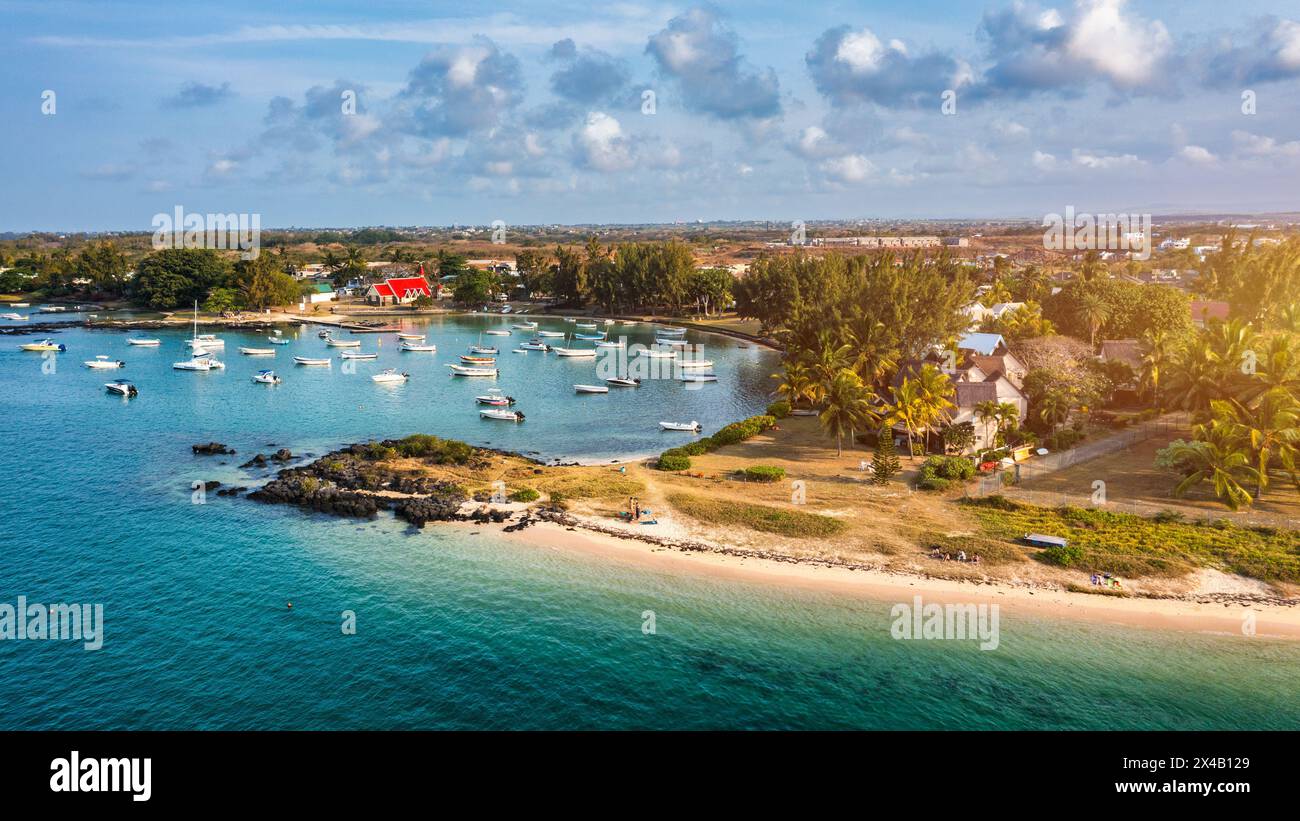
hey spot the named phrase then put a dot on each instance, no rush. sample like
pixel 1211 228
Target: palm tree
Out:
pixel 921 402
pixel 876 354
pixel 1095 312
pixel 1154 360
pixel 906 409
pixel 987 411
pixel 1008 416
pixel 847 407
pixel 1219 460
pixel 799 385
pixel 1271 428
pixel 1195 376
pixel 1054 408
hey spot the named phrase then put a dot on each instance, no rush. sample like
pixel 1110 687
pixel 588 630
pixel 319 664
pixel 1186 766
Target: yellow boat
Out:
pixel 43 345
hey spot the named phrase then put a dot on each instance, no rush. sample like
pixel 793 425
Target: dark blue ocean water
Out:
pixel 466 631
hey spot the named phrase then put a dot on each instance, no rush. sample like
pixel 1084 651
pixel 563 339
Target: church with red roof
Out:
pixel 399 290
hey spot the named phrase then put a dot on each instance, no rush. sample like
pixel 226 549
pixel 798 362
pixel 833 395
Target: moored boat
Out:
pixel 257 351
pixel 494 396
pixel 265 377
pixel 590 389
pixel 551 334
pixel 308 360
pixel 357 355
pixel 14 317
pixel 693 427
pixel 411 346
pixel 275 340
pixel 462 370
pixel 653 354
pixel 477 360
pixel 579 352
pixel 524 326
pixel 342 343
pixel 503 415
pixel 623 382
pixel 589 337
pixel 145 342
pixel 121 386
pixel 694 363
pixel 483 349
pixel 104 363
pixel 697 377
pixel 412 337
pixel 534 345
pixel 43 345
pixel 391 375
pixel 497 333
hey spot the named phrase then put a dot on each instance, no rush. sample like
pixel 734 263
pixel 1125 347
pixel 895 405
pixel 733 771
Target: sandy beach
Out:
pixel 1270 621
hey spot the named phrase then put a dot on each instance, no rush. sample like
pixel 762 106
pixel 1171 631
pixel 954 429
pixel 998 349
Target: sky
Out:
pixel 325 113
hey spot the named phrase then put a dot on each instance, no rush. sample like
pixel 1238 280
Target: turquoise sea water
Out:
pixel 457 630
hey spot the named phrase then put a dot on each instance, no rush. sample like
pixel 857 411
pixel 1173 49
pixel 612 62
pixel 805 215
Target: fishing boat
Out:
pixel 623 382
pixel 671 342
pixel 121 386
pixel 695 363
pixel 104 363
pixel 590 337
pixel 275 340
pixel 477 360
pixel 524 326
pixel 14 317
pixel 590 389
pixel 307 360
pixel 148 343
pixel 551 334
pixel 462 370
pixel 43 345
pixel 257 351
pixel 582 352
pixel 494 396
pixel 503 415
pixel 698 377
pixel 266 378
pixel 357 355
pixel 693 427
pixel 482 349
pixel 497 333
pixel 411 346
pixel 670 332
pixel 590 325
pixel 391 375
pixel 412 337
pixel 534 345
pixel 342 343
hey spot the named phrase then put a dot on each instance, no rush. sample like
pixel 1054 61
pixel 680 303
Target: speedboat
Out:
pixel 623 382
pixel 44 345
pixel 483 349
pixel 409 346
pixel 275 340
pixel 104 363
pixel 412 337
pixel 149 343
pixel 551 334
pixel 694 363
pixel 121 386
pixel 495 397
pixel 698 377
pixel 497 333
pixel 257 351
pixel 342 343
pixel 524 326
pixel 584 352
pixel 477 360
pixel 462 370
pixel 590 389
pixel 199 363
pixel 266 378
pixel 503 415
pixel 357 355
pixel 391 375
pixel 307 360
pixel 693 427
pixel 534 345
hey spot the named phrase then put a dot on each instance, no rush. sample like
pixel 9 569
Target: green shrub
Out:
pixel 1067 556
pixel 932 482
pixel 764 473
pixel 525 494
pixel 669 461
pixel 435 449
pixel 779 410
pixel 949 467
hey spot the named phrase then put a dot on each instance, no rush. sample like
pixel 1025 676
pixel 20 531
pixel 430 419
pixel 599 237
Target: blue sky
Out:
pixel 537 113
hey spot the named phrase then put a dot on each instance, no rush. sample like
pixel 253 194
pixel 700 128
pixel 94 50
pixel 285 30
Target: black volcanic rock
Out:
pixel 211 449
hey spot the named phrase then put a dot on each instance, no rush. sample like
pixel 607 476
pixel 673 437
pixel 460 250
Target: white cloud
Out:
pixel 1125 49
pixel 849 168
pixel 601 144
pixel 1198 155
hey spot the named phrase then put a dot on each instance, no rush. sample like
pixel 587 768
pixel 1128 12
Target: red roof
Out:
pixel 406 287
pixel 383 289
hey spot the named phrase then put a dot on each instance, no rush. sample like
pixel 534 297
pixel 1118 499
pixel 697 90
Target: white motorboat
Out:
pixel 580 352
pixel 608 343
pixel 307 360
pixel 148 343
pixel 204 342
pixel 342 343
pixel 698 377
pixel 20 304
pixel 104 363
pixel 14 317
pixel 503 415
pixel 257 351
pixel 623 382
pixel 357 355
pixel 478 361
pixel 692 427
pixel 524 326
pixel 43 345
pixel 391 375
pixel 494 396
pixel 462 370
pixel 411 337
pixel 497 333
pixel 695 363
pixel 551 334
pixel 266 378
pixel 121 386
pixel 275 340
pixel 410 346
pixel 199 363
pixel 534 345
pixel 483 349
pixel 590 389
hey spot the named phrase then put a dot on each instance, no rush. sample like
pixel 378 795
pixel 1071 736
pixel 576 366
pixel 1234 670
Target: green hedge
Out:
pixel 939 472
pixel 779 409
pixel 764 473
pixel 732 434
pixel 673 461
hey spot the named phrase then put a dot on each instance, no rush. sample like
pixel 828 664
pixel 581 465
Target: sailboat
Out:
pixel 201 343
